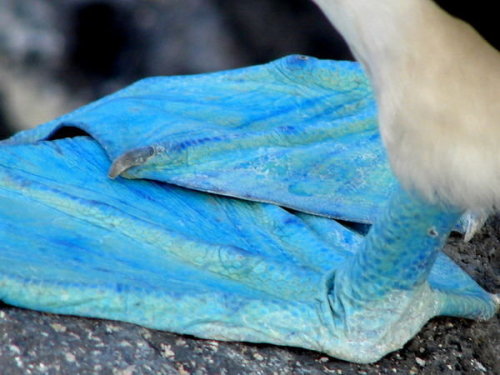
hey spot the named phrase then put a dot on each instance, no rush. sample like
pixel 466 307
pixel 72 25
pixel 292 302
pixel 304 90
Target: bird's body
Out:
pixel 437 83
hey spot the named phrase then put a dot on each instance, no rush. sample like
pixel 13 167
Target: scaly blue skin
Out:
pixel 145 251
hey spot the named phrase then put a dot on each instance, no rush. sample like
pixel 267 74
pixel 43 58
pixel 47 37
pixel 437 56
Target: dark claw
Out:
pixel 130 159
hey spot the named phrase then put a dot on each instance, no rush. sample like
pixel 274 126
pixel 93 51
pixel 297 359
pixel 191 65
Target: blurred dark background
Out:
pixel 56 55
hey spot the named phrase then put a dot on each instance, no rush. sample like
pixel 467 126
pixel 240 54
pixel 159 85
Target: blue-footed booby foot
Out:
pixel 221 219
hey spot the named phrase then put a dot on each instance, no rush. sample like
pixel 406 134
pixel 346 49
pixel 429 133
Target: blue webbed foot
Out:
pixel 142 250
pixel 215 267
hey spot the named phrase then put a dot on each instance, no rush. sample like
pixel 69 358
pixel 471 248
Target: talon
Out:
pixel 496 299
pixel 130 159
pixel 473 222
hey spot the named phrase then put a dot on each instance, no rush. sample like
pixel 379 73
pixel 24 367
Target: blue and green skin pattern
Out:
pixel 74 241
pixel 299 132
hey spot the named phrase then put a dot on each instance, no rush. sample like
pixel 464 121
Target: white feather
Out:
pixel 437 83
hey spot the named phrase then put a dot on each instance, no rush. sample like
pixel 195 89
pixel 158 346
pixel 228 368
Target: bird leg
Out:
pixel 398 279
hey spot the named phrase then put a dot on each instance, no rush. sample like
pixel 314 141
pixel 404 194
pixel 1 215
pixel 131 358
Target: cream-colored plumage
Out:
pixel 437 83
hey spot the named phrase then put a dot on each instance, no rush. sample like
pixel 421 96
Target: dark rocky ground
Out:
pixel 39 343
pixel 53 57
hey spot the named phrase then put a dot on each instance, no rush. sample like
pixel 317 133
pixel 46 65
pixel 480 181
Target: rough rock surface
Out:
pixel 39 343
